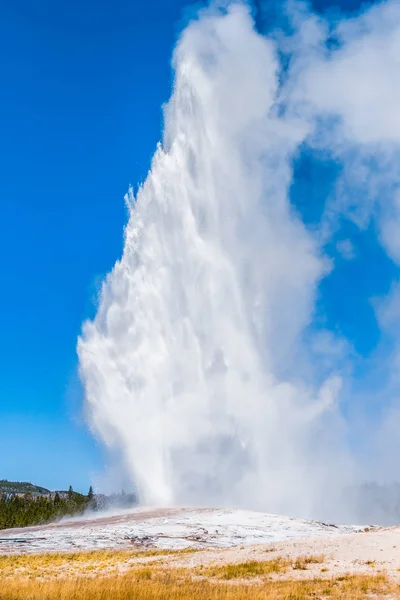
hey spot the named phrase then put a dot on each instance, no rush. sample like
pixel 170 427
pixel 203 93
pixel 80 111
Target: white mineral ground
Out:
pixel 221 536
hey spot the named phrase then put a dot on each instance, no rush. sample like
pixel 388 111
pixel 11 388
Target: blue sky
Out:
pixel 83 85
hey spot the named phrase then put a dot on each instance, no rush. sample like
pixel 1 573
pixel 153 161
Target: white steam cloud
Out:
pixel 202 365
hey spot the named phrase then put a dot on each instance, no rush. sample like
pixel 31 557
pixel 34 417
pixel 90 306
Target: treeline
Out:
pixel 102 502
pixel 17 510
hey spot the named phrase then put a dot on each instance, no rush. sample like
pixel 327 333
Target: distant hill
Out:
pixel 21 487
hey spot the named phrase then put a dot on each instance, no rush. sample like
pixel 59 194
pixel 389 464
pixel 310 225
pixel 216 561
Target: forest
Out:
pixel 21 510
pixel 23 504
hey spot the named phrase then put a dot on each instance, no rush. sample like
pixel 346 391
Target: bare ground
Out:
pixel 376 551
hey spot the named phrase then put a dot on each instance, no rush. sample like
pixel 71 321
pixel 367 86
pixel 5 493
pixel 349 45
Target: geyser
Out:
pixel 195 366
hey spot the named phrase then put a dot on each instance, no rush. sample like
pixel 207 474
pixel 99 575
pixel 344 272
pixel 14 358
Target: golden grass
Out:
pixel 253 568
pixel 170 585
pixel 248 569
pixel 148 575
pixel 85 556
pixel 96 562
pixel 301 563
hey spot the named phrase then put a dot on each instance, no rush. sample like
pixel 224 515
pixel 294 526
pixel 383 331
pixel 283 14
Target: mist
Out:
pixel 206 366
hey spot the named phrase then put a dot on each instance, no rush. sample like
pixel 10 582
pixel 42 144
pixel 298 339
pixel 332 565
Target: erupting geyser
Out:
pixel 195 366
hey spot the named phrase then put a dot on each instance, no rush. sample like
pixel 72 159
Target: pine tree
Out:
pixel 20 511
pixel 90 494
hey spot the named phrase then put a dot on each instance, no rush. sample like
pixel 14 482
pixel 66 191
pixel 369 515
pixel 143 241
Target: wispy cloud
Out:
pixel 346 249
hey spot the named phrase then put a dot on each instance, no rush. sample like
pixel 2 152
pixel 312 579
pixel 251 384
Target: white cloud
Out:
pixel 351 93
pixel 388 311
pixel 346 249
pixel 360 81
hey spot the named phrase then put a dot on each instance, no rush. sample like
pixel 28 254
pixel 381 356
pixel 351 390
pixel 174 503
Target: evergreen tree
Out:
pixel 29 509
pixel 21 511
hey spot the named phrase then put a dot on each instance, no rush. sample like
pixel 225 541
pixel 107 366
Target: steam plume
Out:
pixel 200 365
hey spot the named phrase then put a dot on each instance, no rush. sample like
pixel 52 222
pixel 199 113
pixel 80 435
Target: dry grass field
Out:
pixel 167 575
